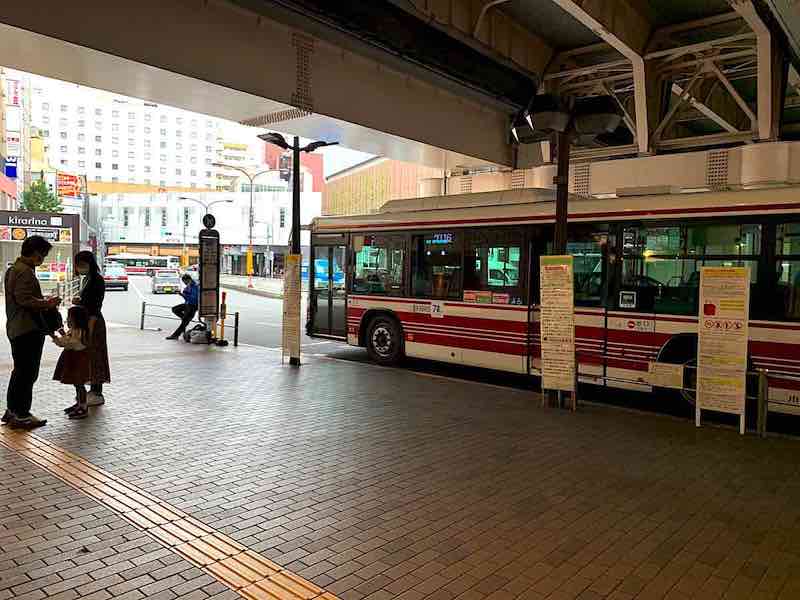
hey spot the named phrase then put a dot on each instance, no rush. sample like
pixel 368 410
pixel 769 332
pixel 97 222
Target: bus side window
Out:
pixel 436 265
pixel 492 260
pixel 588 247
pixel 378 265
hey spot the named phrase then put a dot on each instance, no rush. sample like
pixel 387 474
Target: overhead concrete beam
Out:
pixel 215 43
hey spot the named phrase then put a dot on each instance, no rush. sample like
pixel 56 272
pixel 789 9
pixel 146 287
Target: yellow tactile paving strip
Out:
pixel 242 570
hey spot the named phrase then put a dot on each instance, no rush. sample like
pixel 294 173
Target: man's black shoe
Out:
pixel 172 337
pixel 7 417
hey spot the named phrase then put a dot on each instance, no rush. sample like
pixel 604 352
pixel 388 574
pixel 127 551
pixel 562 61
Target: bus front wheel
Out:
pixel 385 341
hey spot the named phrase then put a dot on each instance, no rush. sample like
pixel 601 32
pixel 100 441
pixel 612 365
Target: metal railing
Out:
pixel 757 379
pixel 172 317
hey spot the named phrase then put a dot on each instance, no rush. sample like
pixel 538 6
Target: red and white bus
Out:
pixel 455 279
pixel 144 264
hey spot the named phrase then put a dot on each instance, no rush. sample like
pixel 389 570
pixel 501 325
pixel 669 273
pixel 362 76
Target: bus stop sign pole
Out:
pixel 209 273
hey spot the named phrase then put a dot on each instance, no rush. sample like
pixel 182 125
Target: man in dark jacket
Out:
pixel 24 326
pixel 186 311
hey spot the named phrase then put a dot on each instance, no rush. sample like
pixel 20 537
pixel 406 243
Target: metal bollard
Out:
pixel 763 402
pixel 141 323
pixel 235 329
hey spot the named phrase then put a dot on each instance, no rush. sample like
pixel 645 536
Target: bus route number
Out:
pixel 437 309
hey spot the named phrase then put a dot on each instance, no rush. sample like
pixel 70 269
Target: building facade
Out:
pixel 112 138
pixel 161 224
pixel 365 187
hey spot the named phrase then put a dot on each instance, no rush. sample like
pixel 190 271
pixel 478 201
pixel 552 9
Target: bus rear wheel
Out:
pixel 385 341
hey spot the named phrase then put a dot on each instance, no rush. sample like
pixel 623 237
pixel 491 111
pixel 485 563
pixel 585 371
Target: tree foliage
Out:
pixel 40 199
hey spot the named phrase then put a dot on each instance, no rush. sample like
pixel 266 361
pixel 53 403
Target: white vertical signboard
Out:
pixel 291 307
pixel 722 340
pixel 557 322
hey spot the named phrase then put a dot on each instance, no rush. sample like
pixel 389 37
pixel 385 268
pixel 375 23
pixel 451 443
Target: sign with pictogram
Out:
pixel 722 339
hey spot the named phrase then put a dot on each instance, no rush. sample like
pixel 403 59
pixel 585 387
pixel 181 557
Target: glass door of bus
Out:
pixel 328 297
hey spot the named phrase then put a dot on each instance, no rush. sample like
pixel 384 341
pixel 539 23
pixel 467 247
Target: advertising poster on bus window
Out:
pixel 722 338
pixel 557 323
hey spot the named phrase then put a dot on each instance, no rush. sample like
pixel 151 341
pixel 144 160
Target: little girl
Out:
pixel 74 365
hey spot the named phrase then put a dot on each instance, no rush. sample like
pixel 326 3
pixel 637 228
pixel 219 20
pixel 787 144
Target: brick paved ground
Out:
pixel 379 484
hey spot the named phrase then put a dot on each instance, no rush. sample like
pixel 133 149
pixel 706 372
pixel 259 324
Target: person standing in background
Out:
pixel 24 307
pixel 92 294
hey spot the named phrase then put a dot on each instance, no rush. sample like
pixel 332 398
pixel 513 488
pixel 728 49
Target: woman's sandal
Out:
pixel 80 412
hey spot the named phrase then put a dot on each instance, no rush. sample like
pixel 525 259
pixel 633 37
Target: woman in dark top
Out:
pixel 93 291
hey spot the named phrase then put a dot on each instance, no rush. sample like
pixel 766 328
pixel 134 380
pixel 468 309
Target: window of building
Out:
pixel 81 137
pixel 114 166
pixel 115 154
pixel 178 133
pixel 162 157
pixel 209 149
pixel 115 114
pixel 147 217
pixel 98 111
pixel 178 146
pixel 131 155
pixel 282 217
pixel 131 168
pixel 186 213
pixel 98 138
pixel 63 135
pixel 46 133
pixel 436 265
pixel 45 106
pixel 98 152
pixel 162 183
pixel 147 168
pixel 98 125
pixel 379 261
pixel 115 127
pixel 115 140
pixel 179 120
pixel 147 182
pixel 81 123
pixel 193 172
pixel 81 150
pixel 148 116
pixel 98 178
pixel 193 160
pixel 63 148
pixel 81 110
pixel 209 136
pixel 146 130
pixel 82 164
pixel 131 129
pixel 163 132
pixel 131 115
pixel 163 217
pixel 64 108
pixel 126 217
pixel 62 122
pixel 177 171
pixel 208 173
pixel 163 118
pixel 64 162
pixel 178 158
pixel 163 170
pixel 492 263
pixel 163 145
pixel 147 156
pixel 147 143
pixel 114 179
pixel 45 119
pixel 131 141
pixel 194 135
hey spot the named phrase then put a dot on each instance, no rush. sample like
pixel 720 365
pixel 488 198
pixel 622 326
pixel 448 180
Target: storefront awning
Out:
pixel 8 185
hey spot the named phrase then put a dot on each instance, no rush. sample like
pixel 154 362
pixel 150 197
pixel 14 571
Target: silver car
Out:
pixel 166 282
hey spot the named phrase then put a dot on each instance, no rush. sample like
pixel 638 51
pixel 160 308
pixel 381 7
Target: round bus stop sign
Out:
pixel 209 221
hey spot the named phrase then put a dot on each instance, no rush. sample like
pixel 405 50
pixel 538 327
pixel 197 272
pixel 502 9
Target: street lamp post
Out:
pixel 280 141
pixel 207 208
pixel 252 178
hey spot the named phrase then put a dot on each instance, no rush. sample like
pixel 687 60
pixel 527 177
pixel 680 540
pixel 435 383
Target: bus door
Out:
pixel 538 245
pixel 328 301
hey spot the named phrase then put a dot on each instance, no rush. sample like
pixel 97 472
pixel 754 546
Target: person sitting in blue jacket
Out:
pixel 186 311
